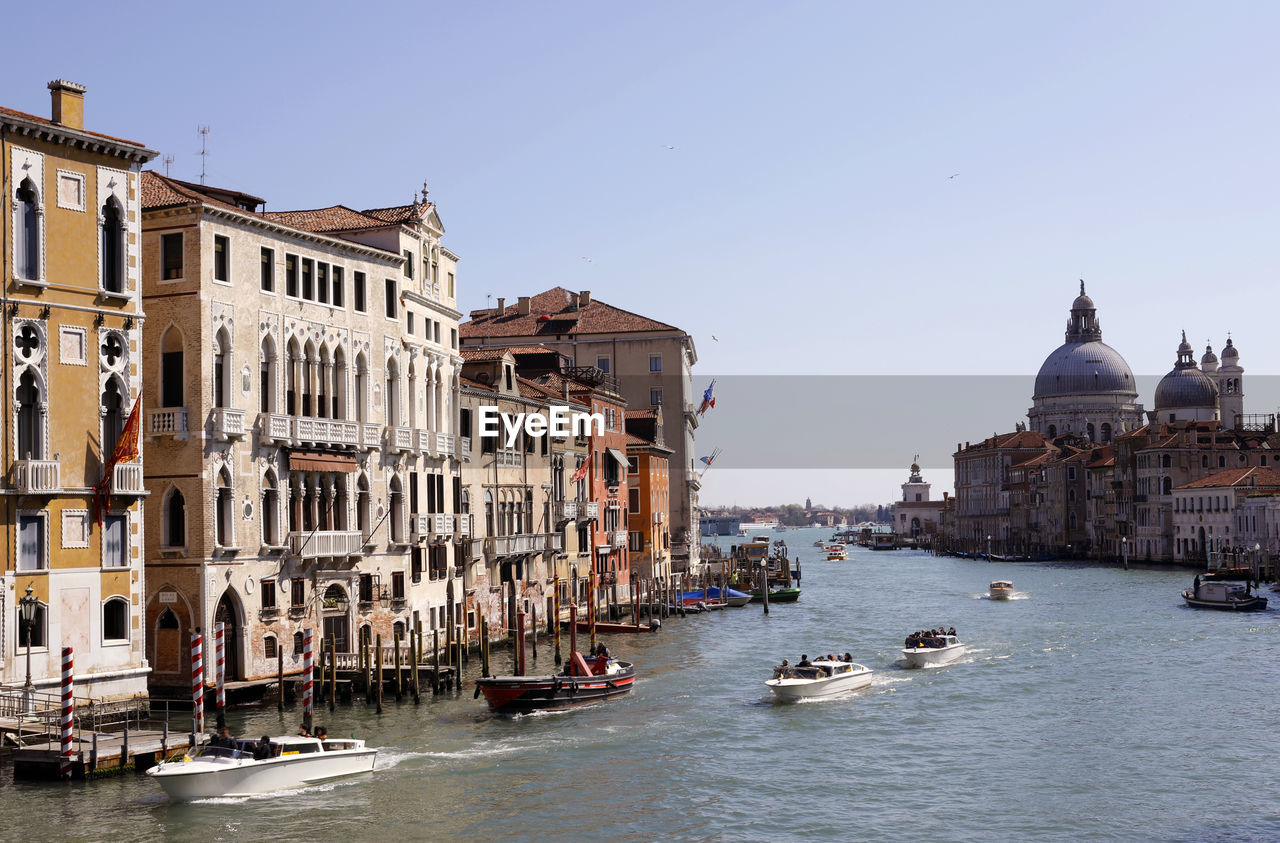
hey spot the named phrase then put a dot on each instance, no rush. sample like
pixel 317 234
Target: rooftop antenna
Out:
pixel 168 159
pixel 204 151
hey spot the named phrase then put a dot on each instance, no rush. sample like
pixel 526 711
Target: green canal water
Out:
pixel 1092 706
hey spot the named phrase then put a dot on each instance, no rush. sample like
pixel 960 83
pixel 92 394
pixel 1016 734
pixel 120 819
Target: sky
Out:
pixel 856 189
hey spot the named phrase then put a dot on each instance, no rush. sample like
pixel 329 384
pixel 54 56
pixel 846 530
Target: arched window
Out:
pixel 30 426
pixel 528 511
pixel 1106 432
pixel 309 365
pixel 171 368
pixel 112 418
pixel 393 393
pixel 323 406
pixel 175 520
pixel 1167 486
pixel 1165 461
pixel 267 376
pixel 1089 432
pixel 269 647
pixel 271 510
pixel 396 502
pixel 223 515
pixel 397 630
pixel 364 511
pixel 297 643
pixel 340 408
pixel 292 361
pixel 489 525
pixel 1053 431
pixel 112 246
pixel 167 620
pixel 26 239
pixel 222 370
pixel 115 619
pixel 340 514
pixel 362 389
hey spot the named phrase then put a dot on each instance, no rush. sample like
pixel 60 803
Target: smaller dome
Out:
pixel 1184 347
pixel 1082 302
pixel 1209 359
pixel 1230 353
pixel 1186 388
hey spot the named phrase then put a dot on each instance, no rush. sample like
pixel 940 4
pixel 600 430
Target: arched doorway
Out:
pixel 167 656
pixel 335 618
pixel 227 616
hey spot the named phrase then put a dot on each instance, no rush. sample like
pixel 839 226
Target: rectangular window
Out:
pixel 322 283
pixel 655 362
pixel 268 594
pixel 655 397
pixel 268 271
pixel 633 467
pixel 451 289
pixel 408 264
pixel 358 292
pixel 297 591
pixel 391 298
pixel 337 286
pixel 408 315
pixel 397 585
pixel 171 255
pixel 453 337
pixel 366 588
pixel 269 647
pixel 425 268
pixel 30 543
pixel 633 500
pixel 602 363
pixel 115 541
pixel 308 278
pixel 291 275
pixel 221 257
pixel 437 324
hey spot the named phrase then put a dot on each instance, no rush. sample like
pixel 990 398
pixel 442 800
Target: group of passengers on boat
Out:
pixel 806 669
pixel 930 637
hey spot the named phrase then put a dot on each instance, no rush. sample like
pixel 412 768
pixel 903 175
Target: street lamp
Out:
pixel 1257 560
pixel 1124 551
pixel 27 606
pixel 988 548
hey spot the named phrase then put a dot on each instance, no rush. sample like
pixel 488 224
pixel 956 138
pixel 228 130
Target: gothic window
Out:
pixel 112 246
pixel 293 358
pixel 362 389
pixel 364 512
pixel 267 376
pixel 30 428
pixel 112 417
pixel 222 374
pixel 175 520
pixel 171 391
pixel 224 512
pixel 26 240
pixel 396 500
pixel 270 510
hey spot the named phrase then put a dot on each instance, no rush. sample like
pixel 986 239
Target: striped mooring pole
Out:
pixel 220 668
pixel 308 676
pixel 68 712
pixel 197 686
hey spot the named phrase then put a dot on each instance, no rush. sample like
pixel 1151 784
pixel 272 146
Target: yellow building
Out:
pixel 72 371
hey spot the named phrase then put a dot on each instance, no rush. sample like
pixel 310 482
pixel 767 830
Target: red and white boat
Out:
pixel 585 680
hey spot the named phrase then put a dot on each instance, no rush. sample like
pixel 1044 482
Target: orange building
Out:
pixel 649 494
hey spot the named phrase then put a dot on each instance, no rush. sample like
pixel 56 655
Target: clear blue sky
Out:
pixel 806 218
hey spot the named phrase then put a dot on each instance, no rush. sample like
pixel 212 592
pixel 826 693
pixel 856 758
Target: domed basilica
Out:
pixel 1086 388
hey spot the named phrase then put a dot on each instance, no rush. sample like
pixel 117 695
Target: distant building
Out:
pixel 916 514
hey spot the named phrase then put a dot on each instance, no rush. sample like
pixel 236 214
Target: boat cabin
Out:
pixel 1001 584
pixel 1222 592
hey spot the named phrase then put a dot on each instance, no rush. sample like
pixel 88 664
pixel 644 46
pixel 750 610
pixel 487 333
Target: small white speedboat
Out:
pixel 213 771
pixel 928 652
pixel 1000 590
pixel 836 553
pixel 821 678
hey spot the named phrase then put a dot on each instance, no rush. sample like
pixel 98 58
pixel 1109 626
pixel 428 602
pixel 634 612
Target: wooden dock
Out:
pixel 101 753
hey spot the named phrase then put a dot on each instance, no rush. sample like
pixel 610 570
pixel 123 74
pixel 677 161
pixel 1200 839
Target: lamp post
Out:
pixel 27 606
pixel 1124 551
pixel 1257 559
pixel 988 548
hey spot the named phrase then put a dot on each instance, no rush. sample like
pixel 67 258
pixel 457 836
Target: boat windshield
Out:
pixel 208 752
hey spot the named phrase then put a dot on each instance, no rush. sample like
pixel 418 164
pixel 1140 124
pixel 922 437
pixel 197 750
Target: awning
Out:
pixel 312 461
pixel 621 458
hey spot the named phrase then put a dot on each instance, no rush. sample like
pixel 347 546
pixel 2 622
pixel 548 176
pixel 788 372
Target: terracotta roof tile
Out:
pixel 482 355
pixel 551 313
pixel 1255 476
pixel 332 218
pixel 399 213
pixel 45 121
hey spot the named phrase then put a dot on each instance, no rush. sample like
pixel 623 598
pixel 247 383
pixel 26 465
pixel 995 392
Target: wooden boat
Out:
pixel 1000 589
pixel 217 771
pixel 585 680
pixel 610 627
pixel 821 678
pixel 1224 595
pixel 776 595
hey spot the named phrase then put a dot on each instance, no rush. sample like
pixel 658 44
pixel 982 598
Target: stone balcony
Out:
pixel 443 526
pixel 399 440
pixel 370 436
pixel 426 439
pixel 34 477
pixel 227 423
pixel 464 525
pixel 464 447
pixel 326 543
pixel 167 421
pixel 275 428
pixel 330 433
pixel 126 478
pixel 445 445
pixel 510 457
pixel 618 538
pixel 566 510
pixel 592 510
pixel 555 542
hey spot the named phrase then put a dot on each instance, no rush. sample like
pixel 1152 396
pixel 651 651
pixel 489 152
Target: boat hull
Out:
pixel 932 656
pixel 780 595
pixel 525 694
pixel 185 781
pixel 792 690
pixel 610 628
pixel 1252 604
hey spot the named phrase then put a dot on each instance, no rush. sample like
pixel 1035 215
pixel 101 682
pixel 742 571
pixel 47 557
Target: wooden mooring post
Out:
pixel 518 655
pixel 484 647
pixel 555 621
pixel 399 688
pixel 365 661
pixel 416 661
pixel 377 655
pixel 534 629
pixel 333 672
pixel 279 676
pixel 435 661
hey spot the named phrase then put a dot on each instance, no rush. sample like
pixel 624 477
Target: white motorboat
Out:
pixel 931 651
pixel 1000 590
pixel 836 553
pixel 821 678
pixel 212 771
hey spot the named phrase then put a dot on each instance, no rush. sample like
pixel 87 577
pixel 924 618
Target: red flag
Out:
pixel 126 449
pixel 581 472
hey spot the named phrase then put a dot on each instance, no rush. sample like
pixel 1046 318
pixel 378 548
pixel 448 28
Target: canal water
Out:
pixel 1092 705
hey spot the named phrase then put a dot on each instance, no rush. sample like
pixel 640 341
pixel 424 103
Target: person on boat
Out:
pixel 322 733
pixel 224 739
pixel 804 661
pixel 262 750
pixel 848 657
pixel 951 631
pixel 785 663
pixel 302 731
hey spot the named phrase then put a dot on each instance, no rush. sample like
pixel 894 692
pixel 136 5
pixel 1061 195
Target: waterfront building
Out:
pixel 302 427
pixel 1207 513
pixel 916 515
pixel 649 495
pixel 1084 386
pixel 982 509
pixel 719 525
pixel 650 364
pixel 74 368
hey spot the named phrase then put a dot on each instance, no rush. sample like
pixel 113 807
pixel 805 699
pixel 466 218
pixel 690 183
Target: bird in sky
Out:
pixel 587 259
pixel 714 337
pixel 669 146
pixel 953 175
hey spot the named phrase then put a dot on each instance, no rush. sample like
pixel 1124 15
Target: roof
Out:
pixel 165 192
pixel 553 313
pixel 1255 476
pixel 400 213
pixel 642 413
pixel 1021 439
pixel 483 355
pixel 332 218
pixel 14 114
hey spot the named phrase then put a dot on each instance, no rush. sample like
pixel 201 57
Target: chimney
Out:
pixel 584 298
pixel 68 103
pixel 522 305
pixel 502 307
pixel 573 301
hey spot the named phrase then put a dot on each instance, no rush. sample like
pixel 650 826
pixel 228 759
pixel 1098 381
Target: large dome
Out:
pixel 1186 388
pixel 1084 367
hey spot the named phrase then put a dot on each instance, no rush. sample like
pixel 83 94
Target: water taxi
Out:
pixel 930 651
pixel 820 678
pixel 296 761
pixel 1000 590
pixel 836 553
pixel 1227 596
